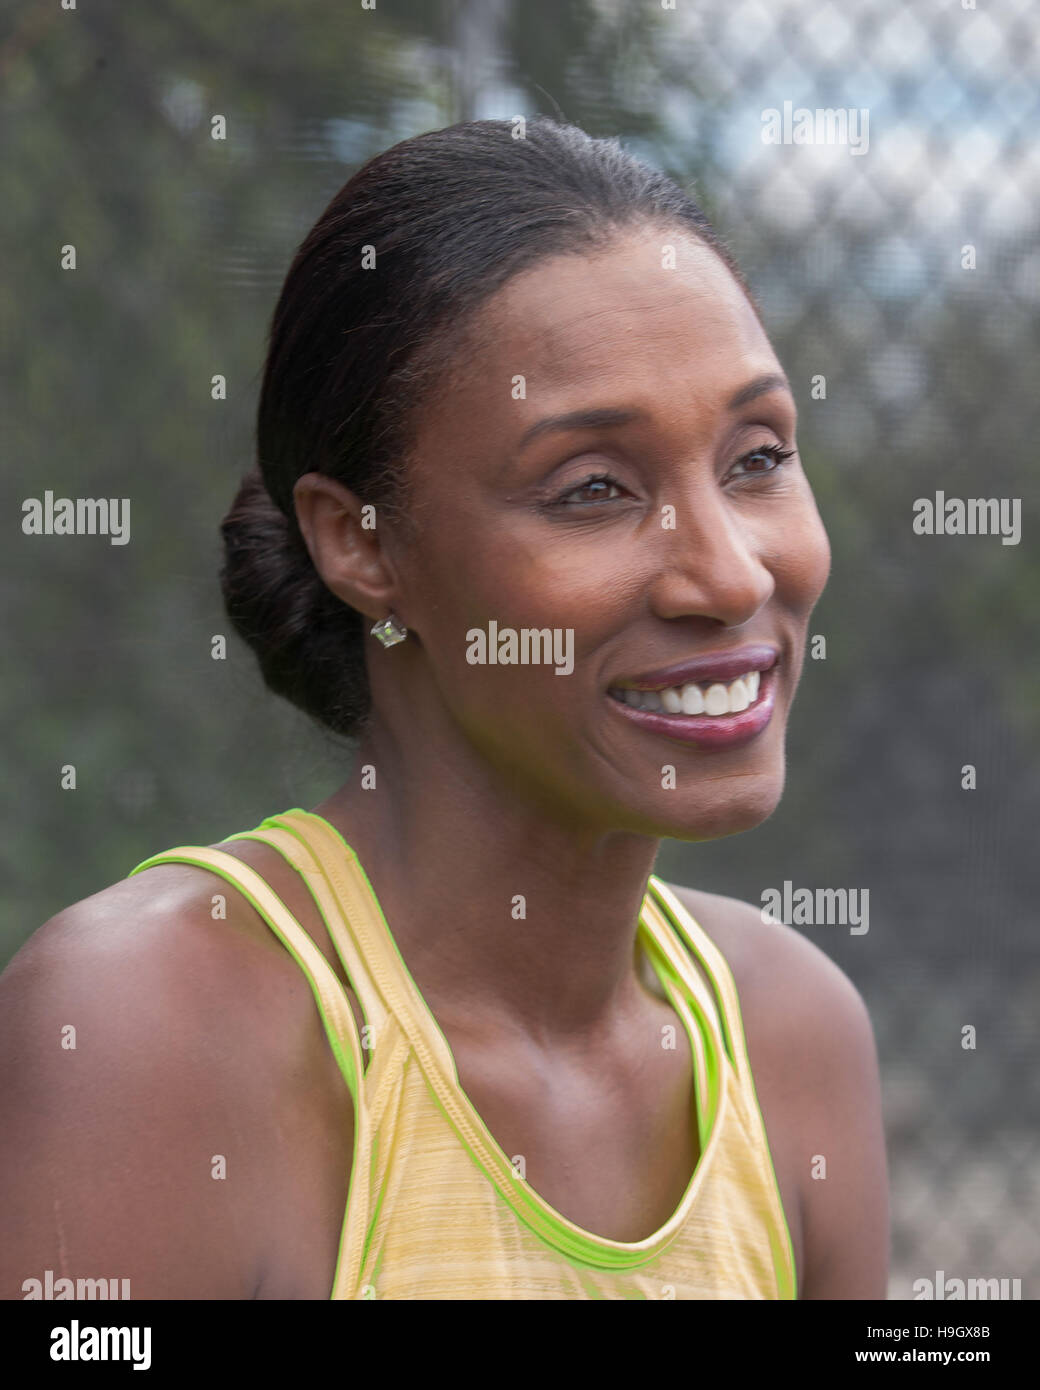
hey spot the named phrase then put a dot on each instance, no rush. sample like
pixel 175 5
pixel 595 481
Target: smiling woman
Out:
pixel 447 1035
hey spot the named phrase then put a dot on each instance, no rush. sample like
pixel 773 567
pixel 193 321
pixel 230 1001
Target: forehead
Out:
pixel 654 306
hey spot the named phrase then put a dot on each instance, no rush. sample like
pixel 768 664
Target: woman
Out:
pixel 529 524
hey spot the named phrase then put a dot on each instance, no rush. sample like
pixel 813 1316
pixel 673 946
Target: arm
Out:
pixel 107 1146
pixel 845 1213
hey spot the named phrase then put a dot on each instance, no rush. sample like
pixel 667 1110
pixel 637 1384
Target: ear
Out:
pixel 348 554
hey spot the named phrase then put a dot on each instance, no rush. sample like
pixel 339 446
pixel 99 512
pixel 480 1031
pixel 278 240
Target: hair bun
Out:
pixel 301 632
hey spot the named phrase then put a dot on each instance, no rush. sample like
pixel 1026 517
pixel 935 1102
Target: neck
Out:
pixel 508 918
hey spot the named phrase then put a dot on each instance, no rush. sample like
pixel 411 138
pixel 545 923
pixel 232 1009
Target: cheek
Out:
pixel 494 587
pixel 518 582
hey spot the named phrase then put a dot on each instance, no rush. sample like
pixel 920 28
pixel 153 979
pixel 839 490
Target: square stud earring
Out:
pixel 390 631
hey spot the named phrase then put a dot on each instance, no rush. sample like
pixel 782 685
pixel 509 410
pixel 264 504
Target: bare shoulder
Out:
pixel 762 955
pixel 141 1041
pixel 814 1061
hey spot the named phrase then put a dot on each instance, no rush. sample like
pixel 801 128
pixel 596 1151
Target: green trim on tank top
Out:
pixel 184 856
pixel 738 1048
pixel 258 838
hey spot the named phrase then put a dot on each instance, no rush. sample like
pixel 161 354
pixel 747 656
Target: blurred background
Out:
pixel 931 378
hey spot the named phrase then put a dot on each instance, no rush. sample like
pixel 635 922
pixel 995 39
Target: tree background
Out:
pixel 182 242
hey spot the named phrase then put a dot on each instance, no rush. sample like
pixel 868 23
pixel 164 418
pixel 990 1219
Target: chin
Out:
pixel 751 802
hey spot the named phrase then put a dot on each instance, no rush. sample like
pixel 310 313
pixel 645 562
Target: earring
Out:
pixel 390 631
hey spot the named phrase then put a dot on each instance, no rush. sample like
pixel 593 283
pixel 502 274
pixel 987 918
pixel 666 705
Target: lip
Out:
pixel 711 666
pixel 708 731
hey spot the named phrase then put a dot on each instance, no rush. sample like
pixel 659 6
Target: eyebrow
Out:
pixel 605 418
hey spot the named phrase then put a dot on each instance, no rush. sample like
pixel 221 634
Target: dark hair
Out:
pixel 450 215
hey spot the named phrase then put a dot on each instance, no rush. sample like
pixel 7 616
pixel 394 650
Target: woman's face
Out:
pixel 695 543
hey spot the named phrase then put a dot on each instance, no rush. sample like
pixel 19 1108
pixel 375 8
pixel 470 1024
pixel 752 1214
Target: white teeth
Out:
pixel 716 700
pixel 693 699
pixel 738 697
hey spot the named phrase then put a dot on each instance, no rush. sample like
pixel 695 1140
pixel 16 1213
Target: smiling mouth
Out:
pixel 712 698
pixel 710 714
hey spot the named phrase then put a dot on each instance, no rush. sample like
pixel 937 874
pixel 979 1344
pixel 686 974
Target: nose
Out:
pixel 712 565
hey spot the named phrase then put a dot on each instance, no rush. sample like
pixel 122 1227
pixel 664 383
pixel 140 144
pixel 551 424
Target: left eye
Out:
pixel 602 482
pixel 773 452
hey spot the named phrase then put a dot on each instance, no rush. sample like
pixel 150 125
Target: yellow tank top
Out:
pixel 435 1209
